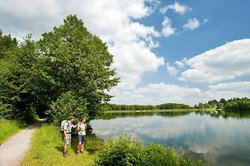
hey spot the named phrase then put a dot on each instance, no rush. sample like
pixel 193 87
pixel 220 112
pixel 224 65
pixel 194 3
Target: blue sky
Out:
pixel 185 51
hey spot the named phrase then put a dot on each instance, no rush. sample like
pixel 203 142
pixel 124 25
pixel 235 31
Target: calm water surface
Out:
pixel 221 141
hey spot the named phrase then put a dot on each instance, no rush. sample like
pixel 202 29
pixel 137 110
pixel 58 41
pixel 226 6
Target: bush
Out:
pixel 158 155
pixel 67 104
pixel 126 151
pixel 7 111
pixel 93 144
pixel 121 152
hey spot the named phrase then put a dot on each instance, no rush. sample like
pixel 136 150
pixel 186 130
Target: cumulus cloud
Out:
pixel 114 21
pixel 171 70
pixel 164 93
pixel 182 63
pixel 167 29
pixel 178 8
pixel 226 62
pixel 228 90
pixel 192 24
pixel 156 94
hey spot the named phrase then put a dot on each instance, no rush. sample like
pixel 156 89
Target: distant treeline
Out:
pixel 232 105
pixel 118 107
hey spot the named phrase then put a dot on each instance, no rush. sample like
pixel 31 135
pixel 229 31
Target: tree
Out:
pixel 79 62
pixel 67 59
pixel 9 74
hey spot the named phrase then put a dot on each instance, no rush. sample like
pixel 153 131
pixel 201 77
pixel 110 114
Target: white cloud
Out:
pixel 226 62
pixel 171 70
pixel 178 8
pixel 239 86
pixel 227 90
pixel 164 93
pixel 156 94
pixel 114 21
pixel 167 29
pixel 180 64
pixel 192 24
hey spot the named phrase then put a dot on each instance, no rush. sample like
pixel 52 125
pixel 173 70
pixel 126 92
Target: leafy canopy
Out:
pixel 67 60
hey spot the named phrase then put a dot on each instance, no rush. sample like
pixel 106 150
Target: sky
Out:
pixel 185 51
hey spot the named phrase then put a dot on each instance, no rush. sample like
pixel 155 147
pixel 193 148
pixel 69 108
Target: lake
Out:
pixel 220 140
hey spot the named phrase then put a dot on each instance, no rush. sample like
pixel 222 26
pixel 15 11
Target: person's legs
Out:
pixel 79 140
pixel 66 146
pixel 83 141
pixel 65 150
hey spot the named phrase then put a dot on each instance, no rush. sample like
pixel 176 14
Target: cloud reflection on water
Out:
pixel 212 136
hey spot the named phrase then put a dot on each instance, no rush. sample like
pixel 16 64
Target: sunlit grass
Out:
pixel 9 128
pixel 47 148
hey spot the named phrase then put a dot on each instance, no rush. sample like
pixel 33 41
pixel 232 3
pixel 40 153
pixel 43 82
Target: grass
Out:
pixel 9 128
pixel 47 148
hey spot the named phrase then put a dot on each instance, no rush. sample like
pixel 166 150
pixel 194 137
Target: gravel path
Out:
pixel 13 150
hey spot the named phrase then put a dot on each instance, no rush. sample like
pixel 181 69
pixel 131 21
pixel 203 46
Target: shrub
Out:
pixel 93 144
pixel 126 151
pixel 158 155
pixel 67 104
pixel 121 152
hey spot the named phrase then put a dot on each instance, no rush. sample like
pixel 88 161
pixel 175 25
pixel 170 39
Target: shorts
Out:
pixel 68 139
pixel 81 138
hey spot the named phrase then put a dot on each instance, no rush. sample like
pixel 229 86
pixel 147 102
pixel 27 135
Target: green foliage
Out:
pixel 109 107
pixel 93 144
pixel 127 151
pixel 67 104
pixel 78 61
pixel 173 106
pixel 238 105
pixel 9 127
pixel 34 74
pixel 121 152
pixel 158 155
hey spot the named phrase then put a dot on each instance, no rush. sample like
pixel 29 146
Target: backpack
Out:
pixel 63 124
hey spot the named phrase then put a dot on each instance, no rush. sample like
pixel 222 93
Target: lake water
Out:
pixel 221 141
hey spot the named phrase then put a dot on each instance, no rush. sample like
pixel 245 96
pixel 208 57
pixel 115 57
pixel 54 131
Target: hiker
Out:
pixel 67 134
pixel 81 137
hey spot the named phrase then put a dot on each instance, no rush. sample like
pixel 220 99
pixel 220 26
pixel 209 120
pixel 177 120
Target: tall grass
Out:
pixel 9 128
pixel 47 148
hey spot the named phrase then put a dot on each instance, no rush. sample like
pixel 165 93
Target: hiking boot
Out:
pixel 65 154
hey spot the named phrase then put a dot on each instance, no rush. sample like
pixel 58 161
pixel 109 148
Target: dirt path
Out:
pixel 13 150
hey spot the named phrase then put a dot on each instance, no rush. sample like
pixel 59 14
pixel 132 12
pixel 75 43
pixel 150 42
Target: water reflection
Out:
pixel 107 116
pixel 223 141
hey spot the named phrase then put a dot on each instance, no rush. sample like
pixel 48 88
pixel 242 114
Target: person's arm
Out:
pixel 78 127
pixel 65 131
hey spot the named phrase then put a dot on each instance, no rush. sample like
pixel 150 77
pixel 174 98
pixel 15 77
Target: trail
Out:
pixel 13 150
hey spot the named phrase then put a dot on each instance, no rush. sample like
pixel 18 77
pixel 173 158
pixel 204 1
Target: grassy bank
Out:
pixel 47 148
pixel 156 110
pixel 9 128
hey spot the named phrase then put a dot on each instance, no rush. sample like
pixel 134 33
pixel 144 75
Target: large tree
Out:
pixel 67 60
pixel 79 62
